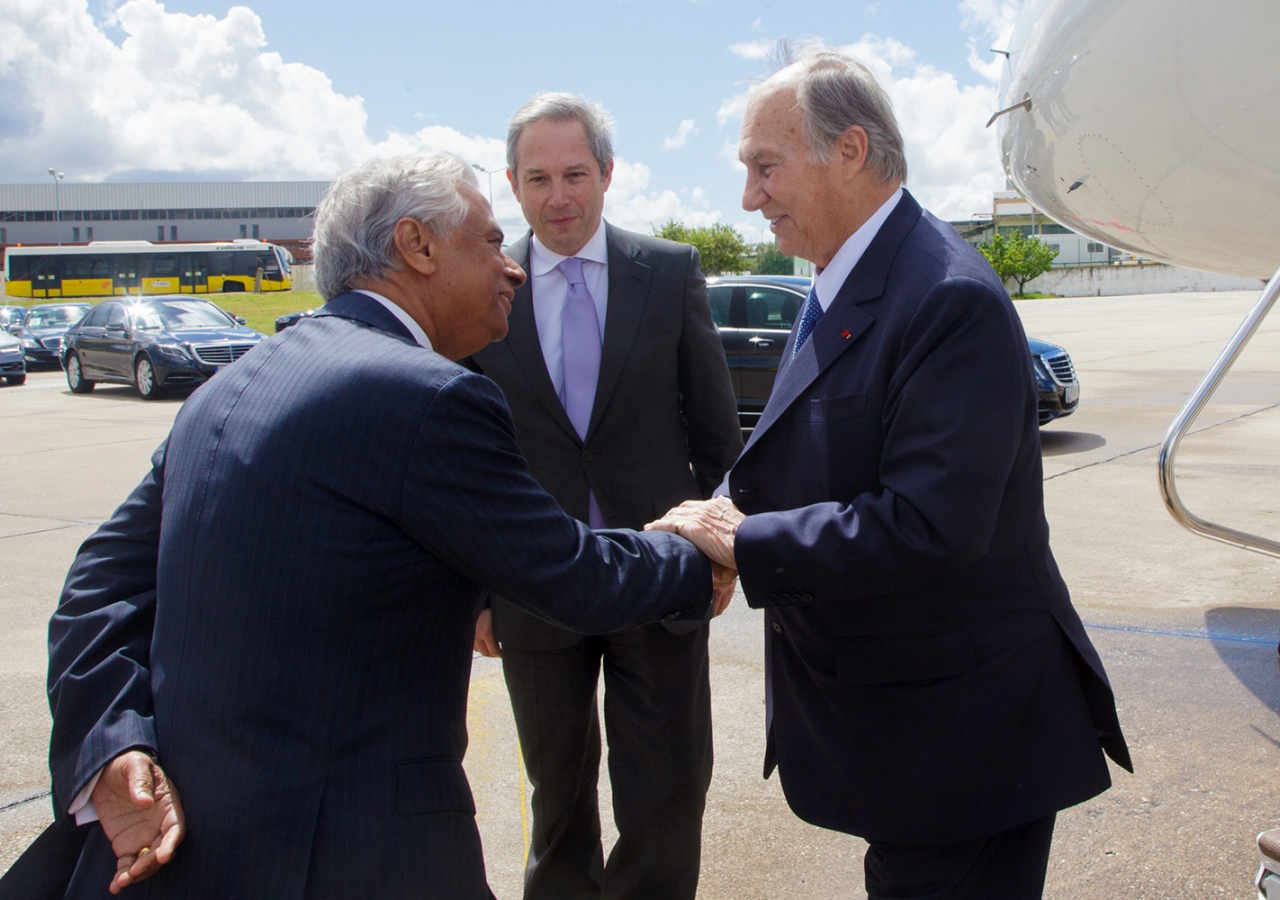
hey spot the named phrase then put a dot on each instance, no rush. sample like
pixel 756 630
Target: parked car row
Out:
pixel 755 313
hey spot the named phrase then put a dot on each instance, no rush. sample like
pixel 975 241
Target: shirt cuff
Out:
pixel 82 807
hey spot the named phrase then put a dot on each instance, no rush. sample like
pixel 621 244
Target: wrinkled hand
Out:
pixel 709 524
pixel 141 815
pixel 486 644
pixel 723 582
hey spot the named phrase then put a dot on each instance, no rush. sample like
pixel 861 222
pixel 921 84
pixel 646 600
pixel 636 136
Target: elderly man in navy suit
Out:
pixel 278 622
pixel 929 685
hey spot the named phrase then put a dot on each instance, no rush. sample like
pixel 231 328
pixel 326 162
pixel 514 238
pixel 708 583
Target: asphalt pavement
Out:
pixel 1187 628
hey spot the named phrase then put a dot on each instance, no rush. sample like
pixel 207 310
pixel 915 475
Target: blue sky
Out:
pixel 199 90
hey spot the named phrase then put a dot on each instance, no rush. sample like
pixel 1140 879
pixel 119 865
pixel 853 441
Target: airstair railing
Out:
pixel 1182 424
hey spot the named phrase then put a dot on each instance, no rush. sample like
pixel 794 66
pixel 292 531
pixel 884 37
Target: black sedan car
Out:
pixel 42 330
pixel 755 315
pixel 153 344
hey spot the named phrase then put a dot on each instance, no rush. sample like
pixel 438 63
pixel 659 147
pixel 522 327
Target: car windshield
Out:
pixel 55 315
pixel 179 314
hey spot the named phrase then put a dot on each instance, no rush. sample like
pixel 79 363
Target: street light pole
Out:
pixel 57 200
pixel 488 172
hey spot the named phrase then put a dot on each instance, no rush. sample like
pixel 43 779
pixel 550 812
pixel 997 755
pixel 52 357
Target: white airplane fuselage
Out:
pixel 1154 126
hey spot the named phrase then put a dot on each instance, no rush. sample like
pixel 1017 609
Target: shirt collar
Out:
pixel 542 260
pixel 829 281
pixel 405 319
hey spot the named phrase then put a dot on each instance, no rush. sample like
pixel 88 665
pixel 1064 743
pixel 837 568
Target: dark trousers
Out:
pixel 1008 865
pixel 657 711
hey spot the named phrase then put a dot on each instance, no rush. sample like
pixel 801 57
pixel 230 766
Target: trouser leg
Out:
pixel 553 695
pixel 657 702
pixel 1009 865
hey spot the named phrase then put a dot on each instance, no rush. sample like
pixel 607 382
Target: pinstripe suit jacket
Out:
pixel 326 511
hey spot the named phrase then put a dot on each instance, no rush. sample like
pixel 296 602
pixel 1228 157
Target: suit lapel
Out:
pixel 628 289
pixel 844 322
pixel 522 341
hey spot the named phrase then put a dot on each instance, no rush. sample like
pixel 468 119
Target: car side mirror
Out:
pixel 241 320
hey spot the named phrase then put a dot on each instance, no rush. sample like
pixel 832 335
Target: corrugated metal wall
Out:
pixel 178 195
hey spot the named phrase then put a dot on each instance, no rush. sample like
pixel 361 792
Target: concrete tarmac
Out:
pixel 1186 627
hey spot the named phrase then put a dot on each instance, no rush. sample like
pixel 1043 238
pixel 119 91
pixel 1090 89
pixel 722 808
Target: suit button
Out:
pixel 587 456
pixel 807 598
pixel 777 628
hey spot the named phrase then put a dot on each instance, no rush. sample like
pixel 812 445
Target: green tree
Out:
pixel 721 247
pixel 1018 257
pixel 772 261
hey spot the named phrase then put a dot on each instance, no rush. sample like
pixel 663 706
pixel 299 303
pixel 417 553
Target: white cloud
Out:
pixel 995 19
pixel 753 49
pixel 632 204
pixel 681 137
pixel 184 95
pixel 757 25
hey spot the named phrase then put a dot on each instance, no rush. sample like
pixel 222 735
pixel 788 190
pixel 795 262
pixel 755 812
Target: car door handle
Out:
pixel 760 341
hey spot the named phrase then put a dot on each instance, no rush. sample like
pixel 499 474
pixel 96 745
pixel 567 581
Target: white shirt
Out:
pixel 550 288
pixel 405 319
pixel 829 281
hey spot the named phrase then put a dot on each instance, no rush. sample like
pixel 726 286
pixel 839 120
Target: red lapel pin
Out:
pixel 845 334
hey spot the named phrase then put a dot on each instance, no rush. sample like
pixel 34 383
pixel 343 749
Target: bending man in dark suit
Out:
pixel 618 432
pixel 282 614
pixel 929 685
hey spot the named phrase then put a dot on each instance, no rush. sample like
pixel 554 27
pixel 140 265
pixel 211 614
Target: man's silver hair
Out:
pixel 835 92
pixel 356 220
pixel 556 107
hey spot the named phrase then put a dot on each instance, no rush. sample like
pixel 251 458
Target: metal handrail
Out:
pixel 1195 403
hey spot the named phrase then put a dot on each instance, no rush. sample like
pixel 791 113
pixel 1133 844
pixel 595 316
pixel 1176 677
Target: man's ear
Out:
pixel 416 245
pixel 852 148
pixel 515 184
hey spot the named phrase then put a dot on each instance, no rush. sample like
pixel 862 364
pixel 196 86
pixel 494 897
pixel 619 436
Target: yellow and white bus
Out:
pixel 118 268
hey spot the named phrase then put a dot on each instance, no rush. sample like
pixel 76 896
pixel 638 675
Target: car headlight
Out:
pixel 30 344
pixel 1041 370
pixel 174 352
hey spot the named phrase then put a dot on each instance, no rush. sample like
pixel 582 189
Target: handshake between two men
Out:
pixel 709 525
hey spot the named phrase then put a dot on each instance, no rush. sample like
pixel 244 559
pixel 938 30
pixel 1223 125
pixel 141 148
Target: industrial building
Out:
pixel 280 212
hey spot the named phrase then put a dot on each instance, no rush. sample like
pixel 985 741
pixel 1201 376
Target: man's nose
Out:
pixel 752 196
pixel 514 273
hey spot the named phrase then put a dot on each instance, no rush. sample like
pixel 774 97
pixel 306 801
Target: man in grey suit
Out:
pixel 624 407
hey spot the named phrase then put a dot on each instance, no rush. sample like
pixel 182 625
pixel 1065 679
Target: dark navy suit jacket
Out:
pixel 930 681
pixel 326 511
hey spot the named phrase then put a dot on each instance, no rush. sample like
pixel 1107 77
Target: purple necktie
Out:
pixel 580 342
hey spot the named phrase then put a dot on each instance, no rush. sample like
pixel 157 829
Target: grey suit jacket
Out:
pixel 664 427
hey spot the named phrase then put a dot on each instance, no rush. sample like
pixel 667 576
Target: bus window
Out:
pixel 86 267
pixel 160 265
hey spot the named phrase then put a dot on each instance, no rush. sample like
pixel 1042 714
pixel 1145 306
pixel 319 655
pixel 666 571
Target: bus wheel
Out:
pixel 232 287
pixel 144 378
pixel 75 377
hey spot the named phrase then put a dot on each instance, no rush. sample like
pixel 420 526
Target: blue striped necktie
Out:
pixel 808 320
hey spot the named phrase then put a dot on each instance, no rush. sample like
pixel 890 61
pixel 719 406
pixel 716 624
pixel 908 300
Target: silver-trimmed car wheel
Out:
pixel 144 379
pixel 75 376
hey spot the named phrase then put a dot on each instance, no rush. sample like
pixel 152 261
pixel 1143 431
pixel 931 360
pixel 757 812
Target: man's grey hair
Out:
pixel 557 107
pixel 356 220
pixel 835 92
